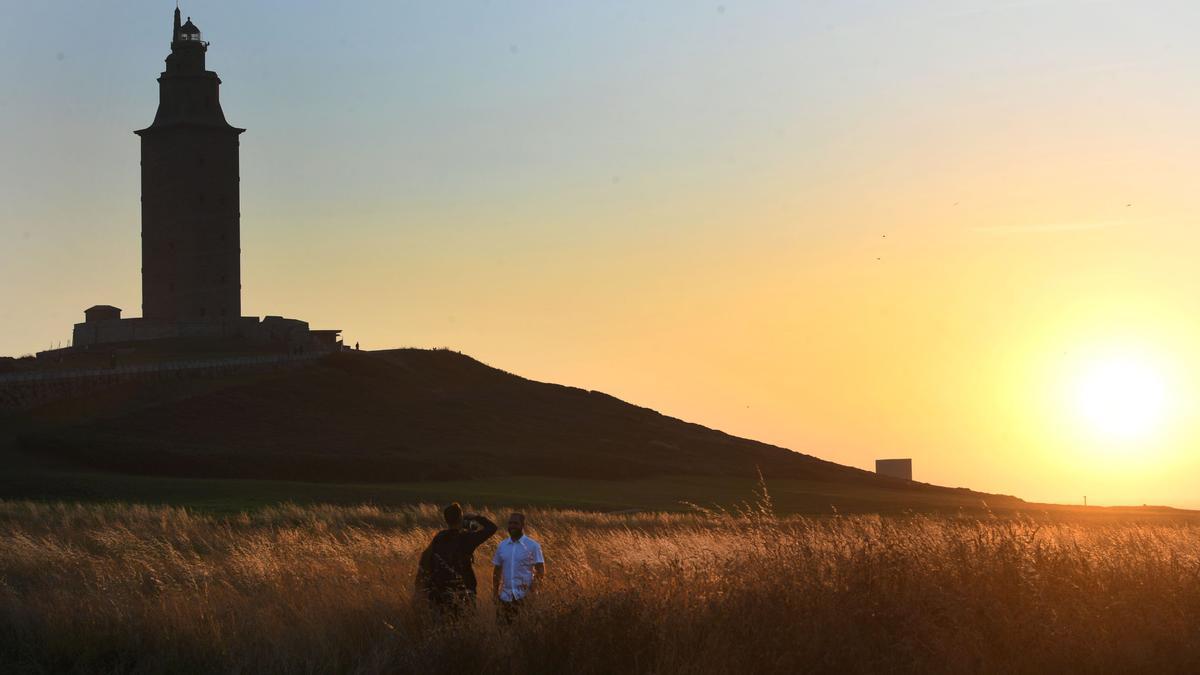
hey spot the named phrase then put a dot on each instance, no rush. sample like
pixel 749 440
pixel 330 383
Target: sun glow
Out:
pixel 1121 397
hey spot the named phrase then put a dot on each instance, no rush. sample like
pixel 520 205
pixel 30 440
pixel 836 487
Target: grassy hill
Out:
pixel 409 424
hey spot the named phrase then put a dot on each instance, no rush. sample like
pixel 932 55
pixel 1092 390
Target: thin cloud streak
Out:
pixel 1048 227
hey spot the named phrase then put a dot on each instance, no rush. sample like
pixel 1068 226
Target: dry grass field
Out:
pixel 91 588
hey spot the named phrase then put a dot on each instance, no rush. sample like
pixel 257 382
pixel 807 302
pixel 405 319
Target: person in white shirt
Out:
pixel 519 569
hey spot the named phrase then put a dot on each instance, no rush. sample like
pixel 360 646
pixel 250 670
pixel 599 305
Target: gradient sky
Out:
pixel 856 229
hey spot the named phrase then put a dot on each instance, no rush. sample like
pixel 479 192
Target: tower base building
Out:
pixel 896 468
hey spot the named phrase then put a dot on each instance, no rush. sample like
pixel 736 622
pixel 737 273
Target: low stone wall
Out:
pixel 272 329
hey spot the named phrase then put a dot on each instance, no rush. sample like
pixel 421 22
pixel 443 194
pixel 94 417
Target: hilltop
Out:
pixel 423 417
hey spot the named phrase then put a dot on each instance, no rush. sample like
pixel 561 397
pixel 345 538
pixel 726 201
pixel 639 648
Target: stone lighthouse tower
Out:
pixel 191 251
pixel 191 267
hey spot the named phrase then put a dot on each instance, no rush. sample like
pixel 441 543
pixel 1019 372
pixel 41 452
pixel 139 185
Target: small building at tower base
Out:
pixel 896 468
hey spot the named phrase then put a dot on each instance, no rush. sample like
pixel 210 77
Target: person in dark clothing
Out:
pixel 446 574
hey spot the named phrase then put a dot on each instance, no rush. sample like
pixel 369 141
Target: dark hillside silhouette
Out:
pixel 401 415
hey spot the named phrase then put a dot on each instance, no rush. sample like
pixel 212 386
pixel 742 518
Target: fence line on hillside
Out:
pixel 164 367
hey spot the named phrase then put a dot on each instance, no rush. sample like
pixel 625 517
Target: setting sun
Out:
pixel 1121 397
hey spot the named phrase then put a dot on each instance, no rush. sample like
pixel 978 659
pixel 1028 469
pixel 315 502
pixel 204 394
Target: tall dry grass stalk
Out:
pixel 328 589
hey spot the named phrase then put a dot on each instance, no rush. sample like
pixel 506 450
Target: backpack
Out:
pixel 449 568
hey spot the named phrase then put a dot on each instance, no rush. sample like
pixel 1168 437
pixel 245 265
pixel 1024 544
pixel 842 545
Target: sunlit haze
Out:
pixel 1121 399
pixel 963 232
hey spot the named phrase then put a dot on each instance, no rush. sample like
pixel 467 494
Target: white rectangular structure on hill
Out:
pixel 896 468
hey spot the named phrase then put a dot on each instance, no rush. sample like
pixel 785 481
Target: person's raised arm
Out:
pixel 487 529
